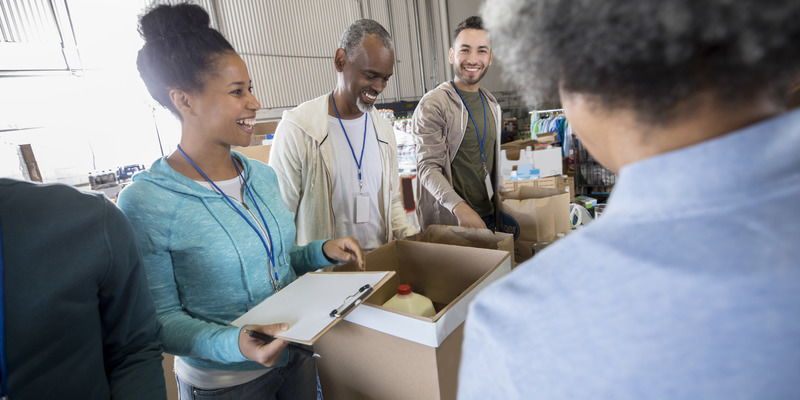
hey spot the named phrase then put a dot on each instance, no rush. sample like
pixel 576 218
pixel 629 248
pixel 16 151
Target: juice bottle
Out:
pixel 409 302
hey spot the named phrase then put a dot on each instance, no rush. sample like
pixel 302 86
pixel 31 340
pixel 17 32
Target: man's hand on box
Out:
pixel 467 217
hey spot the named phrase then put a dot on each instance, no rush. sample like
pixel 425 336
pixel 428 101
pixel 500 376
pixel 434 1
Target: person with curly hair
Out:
pixel 689 285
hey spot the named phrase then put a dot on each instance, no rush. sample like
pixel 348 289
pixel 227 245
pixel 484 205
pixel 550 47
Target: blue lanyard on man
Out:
pixel 362 206
pixel 481 138
pixel 360 159
pixel 3 366
pixel 267 247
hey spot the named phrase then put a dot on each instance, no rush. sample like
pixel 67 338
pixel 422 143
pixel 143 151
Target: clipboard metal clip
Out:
pixel 348 305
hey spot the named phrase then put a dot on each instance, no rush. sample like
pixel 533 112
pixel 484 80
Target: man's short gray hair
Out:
pixel 354 35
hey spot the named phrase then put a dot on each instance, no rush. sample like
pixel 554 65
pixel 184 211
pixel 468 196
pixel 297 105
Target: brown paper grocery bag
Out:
pixel 470 237
pixel 541 213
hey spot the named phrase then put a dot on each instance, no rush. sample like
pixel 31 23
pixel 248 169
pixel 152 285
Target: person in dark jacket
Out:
pixel 78 321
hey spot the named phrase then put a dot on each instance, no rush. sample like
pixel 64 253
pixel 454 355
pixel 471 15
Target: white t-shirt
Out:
pixel 372 233
pixel 209 379
pixel 232 187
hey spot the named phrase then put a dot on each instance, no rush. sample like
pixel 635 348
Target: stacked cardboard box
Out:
pixel 261 130
pixel 513 148
pixel 516 154
pixel 256 152
pixel 563 183
pixel 546 138
pixel 547 161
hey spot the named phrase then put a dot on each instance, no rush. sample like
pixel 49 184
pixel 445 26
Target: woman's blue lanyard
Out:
pixel 363 142
pixel 481 139
pixel 269 248
pixel 3 365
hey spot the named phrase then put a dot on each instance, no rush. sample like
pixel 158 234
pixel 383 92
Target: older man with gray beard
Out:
pixel 336 158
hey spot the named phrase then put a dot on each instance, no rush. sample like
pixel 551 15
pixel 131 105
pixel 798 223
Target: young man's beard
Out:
pixel 461 73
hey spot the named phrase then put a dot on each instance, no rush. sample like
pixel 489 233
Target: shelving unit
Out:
pixel 591 178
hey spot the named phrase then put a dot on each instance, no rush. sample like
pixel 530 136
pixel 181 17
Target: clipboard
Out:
pixel 314 303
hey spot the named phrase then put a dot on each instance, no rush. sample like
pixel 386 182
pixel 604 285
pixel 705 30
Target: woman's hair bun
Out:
pixel 164 21
pixel 179 50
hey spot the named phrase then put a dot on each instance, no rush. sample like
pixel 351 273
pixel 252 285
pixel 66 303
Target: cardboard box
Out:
pixel 523 250
pixel 513 148
pixel 541 212
pixel 256 152
pixel 563 183
pixel 537 247
pixel 376 353
pixel 546 138
pixel 470 237
pixel 257 140
pixel 168 364
pixel 548 161
pixel 265 128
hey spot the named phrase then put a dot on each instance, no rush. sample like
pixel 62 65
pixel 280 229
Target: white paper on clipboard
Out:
pixel 306 303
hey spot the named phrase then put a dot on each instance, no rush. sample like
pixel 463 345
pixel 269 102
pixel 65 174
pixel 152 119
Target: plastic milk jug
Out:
pixel 409 302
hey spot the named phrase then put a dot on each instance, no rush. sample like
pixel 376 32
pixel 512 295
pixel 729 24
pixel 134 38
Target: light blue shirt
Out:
pixel 688 286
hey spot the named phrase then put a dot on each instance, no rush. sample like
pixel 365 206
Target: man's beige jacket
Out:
pixel 439 124
pixel 303 161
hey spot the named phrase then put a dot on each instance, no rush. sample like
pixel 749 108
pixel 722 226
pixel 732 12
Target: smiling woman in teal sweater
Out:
pixel 215 236
pixel 204 263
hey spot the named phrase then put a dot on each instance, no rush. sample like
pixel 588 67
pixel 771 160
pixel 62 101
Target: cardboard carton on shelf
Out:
pixel 256 140
pixel 256 152
pixel 546 138
pixel 261 130
pixel 563 183
pixel 265 128
pixel 548 161
pixel 377 353
pixel 513 148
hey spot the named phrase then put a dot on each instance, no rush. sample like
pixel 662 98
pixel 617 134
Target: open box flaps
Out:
pixel 450 285
pixel 378 353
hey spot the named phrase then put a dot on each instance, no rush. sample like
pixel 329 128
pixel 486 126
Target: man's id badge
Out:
pixel 362 208
pixel 489 188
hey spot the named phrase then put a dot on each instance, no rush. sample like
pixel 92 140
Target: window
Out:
pixel 36 36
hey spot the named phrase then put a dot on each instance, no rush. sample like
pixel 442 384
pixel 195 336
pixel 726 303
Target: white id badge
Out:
pixel 489 188
pixel 362 208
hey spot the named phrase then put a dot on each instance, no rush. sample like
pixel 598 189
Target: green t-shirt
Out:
pixel 468 172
